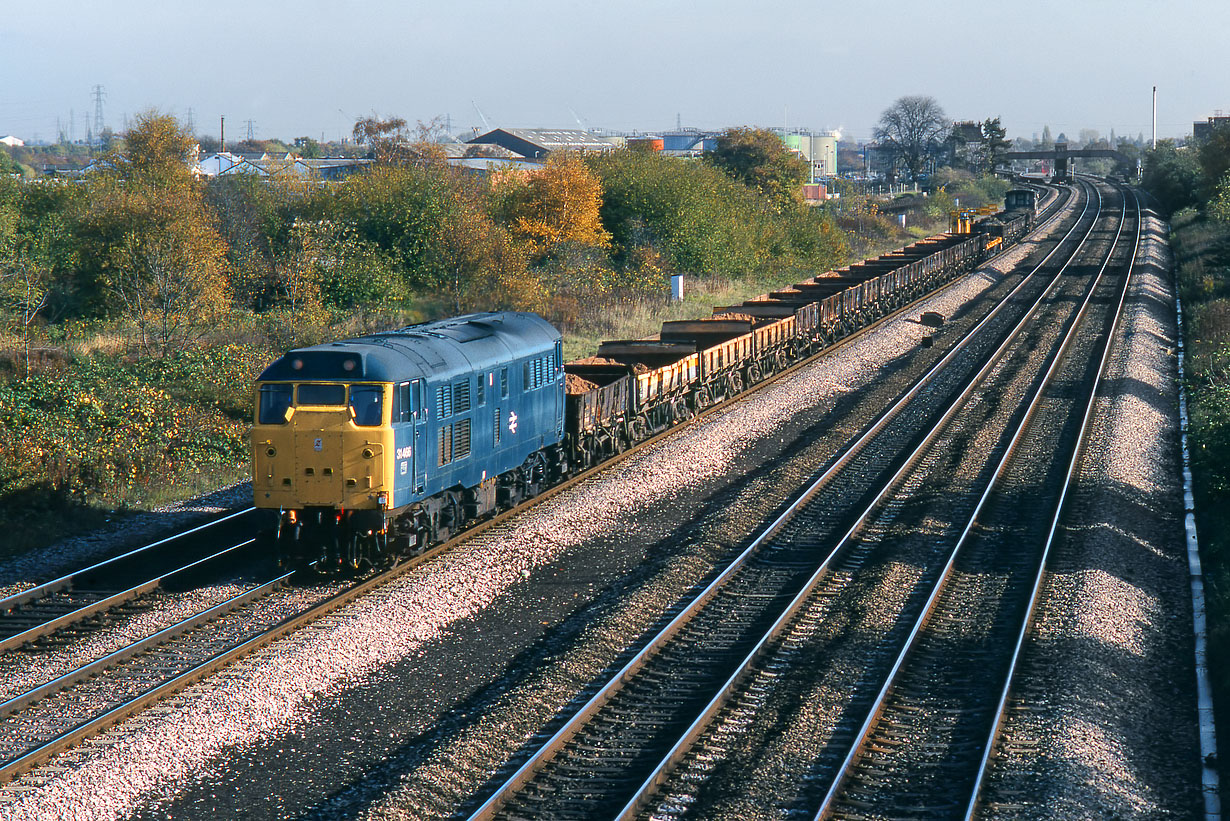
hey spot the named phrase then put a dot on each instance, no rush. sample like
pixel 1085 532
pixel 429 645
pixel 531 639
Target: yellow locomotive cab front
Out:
pixel 318 444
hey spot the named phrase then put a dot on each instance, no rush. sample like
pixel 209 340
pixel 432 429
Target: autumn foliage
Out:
pixel 559 203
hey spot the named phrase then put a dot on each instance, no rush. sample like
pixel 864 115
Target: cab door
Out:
pixel 419 413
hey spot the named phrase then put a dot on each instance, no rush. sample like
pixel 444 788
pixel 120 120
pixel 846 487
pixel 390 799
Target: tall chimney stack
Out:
pixel 1155 117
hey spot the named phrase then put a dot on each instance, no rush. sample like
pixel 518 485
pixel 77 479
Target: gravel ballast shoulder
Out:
pixel 1104 719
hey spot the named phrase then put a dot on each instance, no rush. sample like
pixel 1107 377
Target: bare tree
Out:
pixel 911 129
pixel 170 288
pixel 23 293
pixel 392 141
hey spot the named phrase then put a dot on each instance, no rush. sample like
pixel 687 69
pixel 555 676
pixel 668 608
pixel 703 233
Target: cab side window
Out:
pixel 367 402
pixel 275 400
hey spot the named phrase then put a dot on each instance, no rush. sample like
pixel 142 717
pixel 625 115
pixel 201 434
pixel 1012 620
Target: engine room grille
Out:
pixel 445 445
pixel 461 397
pixel 444 402
pixel 461 439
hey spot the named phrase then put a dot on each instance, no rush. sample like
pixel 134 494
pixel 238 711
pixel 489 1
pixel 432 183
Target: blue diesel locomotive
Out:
pixel 376 446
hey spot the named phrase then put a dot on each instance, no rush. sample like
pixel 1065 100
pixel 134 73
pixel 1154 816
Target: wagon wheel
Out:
pixel 736 384
pixel 701 399
pixel 753 374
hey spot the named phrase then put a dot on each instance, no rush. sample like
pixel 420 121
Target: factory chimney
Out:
pixel 1154 146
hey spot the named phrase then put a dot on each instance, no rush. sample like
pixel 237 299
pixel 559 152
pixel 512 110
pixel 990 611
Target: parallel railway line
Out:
pixel 597 759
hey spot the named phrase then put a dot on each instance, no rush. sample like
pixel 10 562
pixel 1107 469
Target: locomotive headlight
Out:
pixel 271 452
pixel 368 453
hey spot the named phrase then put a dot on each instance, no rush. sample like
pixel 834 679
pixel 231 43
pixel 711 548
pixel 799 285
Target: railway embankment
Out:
pixel 1201 260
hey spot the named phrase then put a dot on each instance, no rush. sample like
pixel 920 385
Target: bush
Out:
pixel 701 221
pixel 102 430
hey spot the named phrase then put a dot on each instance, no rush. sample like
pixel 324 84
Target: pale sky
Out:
pixel 311 68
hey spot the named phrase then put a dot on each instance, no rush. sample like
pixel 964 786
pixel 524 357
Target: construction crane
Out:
pixel 486 125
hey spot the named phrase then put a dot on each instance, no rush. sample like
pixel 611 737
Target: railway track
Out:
pixel 911 762
pixel 186 654
pixel 595 760
pixel 91 592
pixel 933 724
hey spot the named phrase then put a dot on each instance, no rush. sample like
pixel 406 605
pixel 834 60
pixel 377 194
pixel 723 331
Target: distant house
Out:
pixel 964 141
pixel 217 164
pixel 329 168
pixel 225 164
pixel 12 142
pixel 486 165
pixel 538 143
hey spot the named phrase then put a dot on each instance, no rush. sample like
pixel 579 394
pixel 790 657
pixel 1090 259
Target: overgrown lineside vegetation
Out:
pixel 1193 183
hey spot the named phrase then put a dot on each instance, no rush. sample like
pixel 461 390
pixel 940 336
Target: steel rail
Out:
pixel 857 744
pixel 83 613
pixel 67 581
pixel 1077 452
pixel 527 770
pixel 113 658
pixel 644 793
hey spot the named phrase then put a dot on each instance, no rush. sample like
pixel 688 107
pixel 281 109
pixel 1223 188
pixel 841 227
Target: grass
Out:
pixel 1202 256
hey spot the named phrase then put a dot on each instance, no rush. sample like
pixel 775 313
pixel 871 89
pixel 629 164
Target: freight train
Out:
pixel 371 449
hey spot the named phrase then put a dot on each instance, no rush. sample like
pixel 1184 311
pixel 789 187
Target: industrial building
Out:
pixel 538 143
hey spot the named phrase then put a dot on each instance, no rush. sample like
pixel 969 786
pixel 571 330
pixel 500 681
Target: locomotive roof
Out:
pixel 437 350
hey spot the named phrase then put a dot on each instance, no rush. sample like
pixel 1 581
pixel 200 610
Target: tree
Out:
pixel 1088 138
pixel 1047 142
pixel 912 129
pixel 1171 175
pixel 387 140
pixel 308 148
pixel 1219 204
pixel 392 142
pixel 1214 154
pixel 994 143
pixel 759 158
pixel 25 274
pixel 561 202
pixel 8 165
pixel 150 246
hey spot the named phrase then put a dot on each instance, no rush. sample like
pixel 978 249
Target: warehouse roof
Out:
pixel 538 142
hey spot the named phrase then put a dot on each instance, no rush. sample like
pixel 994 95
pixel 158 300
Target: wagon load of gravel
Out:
pixel 575 385
pixel 598 360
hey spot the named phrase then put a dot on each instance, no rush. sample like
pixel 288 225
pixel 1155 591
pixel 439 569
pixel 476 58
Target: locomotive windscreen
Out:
pixel 311 365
